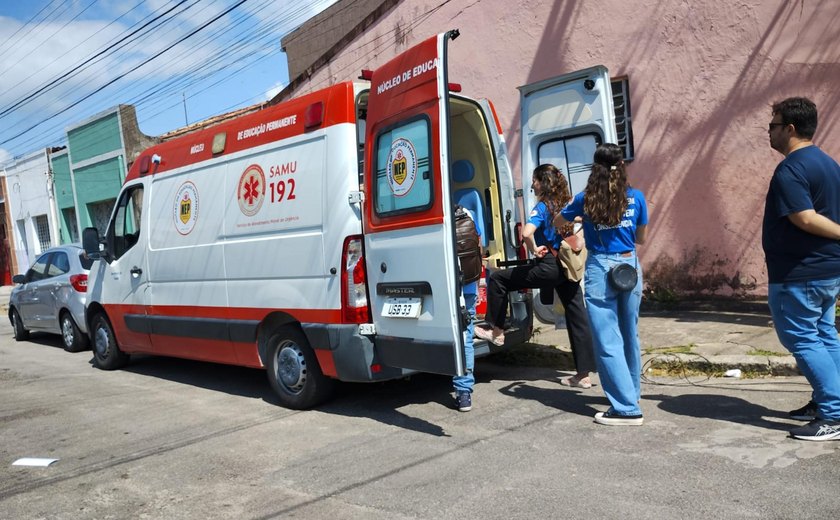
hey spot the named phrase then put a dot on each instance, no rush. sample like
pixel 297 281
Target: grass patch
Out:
pixel 765 353
pixel 678 349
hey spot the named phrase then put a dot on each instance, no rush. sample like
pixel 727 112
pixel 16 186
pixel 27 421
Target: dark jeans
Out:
pixel 543 274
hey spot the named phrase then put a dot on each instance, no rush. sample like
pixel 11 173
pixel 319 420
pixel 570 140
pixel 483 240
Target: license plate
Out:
pixel 402 308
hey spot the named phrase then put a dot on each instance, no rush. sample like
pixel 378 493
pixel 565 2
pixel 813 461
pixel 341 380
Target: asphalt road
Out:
pixel 170 439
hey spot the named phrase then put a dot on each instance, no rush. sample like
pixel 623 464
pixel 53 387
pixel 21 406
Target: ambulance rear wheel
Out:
pixel 106 353
pixel 293 371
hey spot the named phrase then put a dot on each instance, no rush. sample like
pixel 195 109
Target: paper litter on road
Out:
pixel 32 461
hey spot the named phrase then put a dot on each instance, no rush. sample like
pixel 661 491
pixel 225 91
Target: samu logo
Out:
pixel 251 190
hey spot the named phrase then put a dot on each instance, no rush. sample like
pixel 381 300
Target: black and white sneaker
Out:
pixel 817 430
pixel 463 401
pixel 611 418
pixel 806 413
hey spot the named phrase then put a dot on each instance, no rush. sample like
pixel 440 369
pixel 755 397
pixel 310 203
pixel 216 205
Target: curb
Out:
pixel 718 365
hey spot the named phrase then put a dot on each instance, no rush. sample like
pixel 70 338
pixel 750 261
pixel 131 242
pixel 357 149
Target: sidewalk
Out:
pixel 707 337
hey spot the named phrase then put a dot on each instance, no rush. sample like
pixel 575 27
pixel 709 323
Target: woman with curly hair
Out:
pixel 614 221
pixel 540 237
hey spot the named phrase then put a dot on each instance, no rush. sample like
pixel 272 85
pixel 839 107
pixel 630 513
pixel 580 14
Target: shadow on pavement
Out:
pixel 381 401
pixel 722 408
pixel 562 398
pixel 736 318
pixel 232 380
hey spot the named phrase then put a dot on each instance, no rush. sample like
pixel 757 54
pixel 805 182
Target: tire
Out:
pixel 71 337
pixel 293 371
pixel 106 353
pixel 21 334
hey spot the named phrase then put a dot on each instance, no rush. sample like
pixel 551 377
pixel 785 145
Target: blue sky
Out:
pixel 56 68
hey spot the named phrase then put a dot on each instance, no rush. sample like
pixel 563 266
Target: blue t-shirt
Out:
pixel 546 234
pixel 806 179
pixel 611 239
pixel 472 287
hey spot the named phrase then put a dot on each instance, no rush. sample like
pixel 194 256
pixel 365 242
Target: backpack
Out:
pixel 468 245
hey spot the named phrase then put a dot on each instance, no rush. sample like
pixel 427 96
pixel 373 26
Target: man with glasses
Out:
pixel 801 240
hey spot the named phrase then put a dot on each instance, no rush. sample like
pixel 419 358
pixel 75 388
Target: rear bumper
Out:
pixel 353 354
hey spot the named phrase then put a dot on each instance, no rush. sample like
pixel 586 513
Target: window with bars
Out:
pixel 42 227
pixel 623 116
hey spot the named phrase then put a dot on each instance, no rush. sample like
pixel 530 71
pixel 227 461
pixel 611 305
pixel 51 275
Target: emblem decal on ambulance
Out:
pixel 186 208
pixel 401 168
pixel 251 191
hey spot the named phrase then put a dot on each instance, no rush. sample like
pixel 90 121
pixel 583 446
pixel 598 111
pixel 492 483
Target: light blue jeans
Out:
pixel 803 314
pixel 465 383
pixel 614 317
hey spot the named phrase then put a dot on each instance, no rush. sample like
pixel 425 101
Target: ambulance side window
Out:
pixel 403 181
pixel 126 225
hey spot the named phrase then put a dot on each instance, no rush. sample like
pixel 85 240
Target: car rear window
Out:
pixel 87 263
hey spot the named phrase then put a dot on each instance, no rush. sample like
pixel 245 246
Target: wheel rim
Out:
pixel 290 367
pixel 101 341
pixel 67 331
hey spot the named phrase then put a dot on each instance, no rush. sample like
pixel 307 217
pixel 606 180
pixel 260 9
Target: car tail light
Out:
pixel 354 299
pixel 79 282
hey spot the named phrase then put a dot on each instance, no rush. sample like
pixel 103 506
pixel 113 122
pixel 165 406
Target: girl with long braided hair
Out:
pixel 541 238
pixel 614 221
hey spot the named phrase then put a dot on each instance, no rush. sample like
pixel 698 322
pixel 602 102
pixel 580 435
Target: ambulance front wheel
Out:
pixel 293 371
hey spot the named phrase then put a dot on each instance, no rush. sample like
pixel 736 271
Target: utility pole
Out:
pixel 55 228
pixel 184 96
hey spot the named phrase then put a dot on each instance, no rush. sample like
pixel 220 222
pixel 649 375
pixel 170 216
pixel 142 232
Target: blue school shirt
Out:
pixel 546 234
pixel 605 239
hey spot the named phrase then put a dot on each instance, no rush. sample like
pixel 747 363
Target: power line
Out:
pixel 120 76
pixel 200 69
pixel 78 68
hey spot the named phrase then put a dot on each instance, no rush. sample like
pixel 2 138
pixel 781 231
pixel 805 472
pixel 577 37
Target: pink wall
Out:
pixel 702 77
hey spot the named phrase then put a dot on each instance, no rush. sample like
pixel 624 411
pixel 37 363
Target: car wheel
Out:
pixel 106 353
pixel 71 336
pixel 21 334
pixel 293 371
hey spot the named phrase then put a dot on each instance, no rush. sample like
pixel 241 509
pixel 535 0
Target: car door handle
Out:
pixel 136 271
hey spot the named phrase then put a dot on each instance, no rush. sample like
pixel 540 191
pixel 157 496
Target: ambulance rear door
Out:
pixel 563 120
pixel 408 226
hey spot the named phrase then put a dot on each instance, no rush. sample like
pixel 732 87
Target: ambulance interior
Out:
pixel 473 171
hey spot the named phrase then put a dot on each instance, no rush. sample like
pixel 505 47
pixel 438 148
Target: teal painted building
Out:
pixel 89 173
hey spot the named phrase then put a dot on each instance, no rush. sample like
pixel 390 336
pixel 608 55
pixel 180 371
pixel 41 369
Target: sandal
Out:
pixel 487 335
pixel 573 381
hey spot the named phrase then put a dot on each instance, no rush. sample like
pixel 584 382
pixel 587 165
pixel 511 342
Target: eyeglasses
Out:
pixel 771 125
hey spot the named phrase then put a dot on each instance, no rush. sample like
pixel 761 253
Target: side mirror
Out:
pixel 91 243
pixel 19 278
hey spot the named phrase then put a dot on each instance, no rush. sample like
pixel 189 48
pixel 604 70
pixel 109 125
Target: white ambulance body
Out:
pixel 313 238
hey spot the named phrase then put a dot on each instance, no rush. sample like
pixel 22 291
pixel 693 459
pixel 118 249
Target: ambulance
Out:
pixel 313 238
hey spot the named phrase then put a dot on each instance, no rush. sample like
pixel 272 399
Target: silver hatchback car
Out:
pixel 51 297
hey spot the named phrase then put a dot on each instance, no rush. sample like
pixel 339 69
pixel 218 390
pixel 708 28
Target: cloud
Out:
pixel 5 158
pixel 273 91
